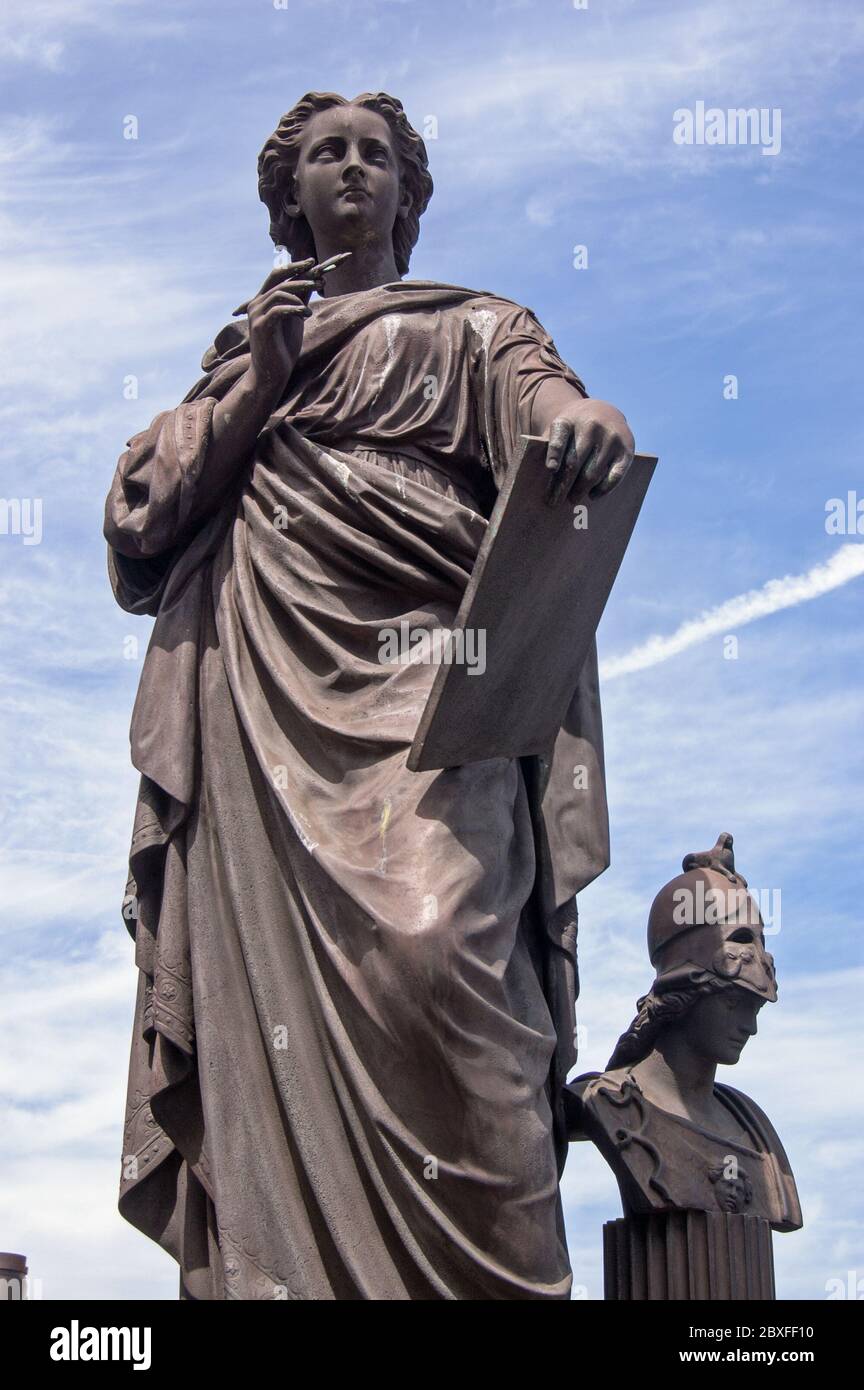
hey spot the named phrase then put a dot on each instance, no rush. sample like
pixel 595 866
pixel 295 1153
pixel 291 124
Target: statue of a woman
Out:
pixel 356 991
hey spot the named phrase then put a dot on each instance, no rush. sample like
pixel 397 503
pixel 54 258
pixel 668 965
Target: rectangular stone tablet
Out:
pixel 537 592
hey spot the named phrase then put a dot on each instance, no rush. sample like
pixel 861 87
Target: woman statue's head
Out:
pixel 340 175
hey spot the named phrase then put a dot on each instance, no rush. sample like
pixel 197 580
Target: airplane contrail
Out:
pixel 846 564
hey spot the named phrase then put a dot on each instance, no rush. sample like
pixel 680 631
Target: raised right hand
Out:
pixel 276 317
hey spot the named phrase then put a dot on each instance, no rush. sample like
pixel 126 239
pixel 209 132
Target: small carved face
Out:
pixel 718 1025
pixel 732 1187
pixel 348 182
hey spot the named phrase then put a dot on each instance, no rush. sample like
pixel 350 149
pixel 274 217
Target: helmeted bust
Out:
pixel 674 1137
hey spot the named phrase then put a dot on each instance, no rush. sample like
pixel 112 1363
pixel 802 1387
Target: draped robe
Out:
pixel 356 983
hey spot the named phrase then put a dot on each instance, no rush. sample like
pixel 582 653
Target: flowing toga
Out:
pixel 357 983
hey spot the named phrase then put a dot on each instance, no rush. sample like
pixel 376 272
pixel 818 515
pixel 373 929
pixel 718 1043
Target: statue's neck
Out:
pixel 677 1079
pixel 370 265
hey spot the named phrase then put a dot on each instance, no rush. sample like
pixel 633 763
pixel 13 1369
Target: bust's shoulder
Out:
pixel 610 1084
pixel 746 1107
pixel 754 1118
pixel 594 1099
pixel 751 1114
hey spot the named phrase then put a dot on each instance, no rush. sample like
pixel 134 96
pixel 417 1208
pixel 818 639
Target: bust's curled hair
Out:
pixel 656 1011
pixel 278 161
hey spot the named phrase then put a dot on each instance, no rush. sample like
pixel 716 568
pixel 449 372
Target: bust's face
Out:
pixel 718 1026
pixel 348 181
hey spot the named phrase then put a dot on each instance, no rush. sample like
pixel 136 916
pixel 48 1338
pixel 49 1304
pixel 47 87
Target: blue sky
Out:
pixel 554 129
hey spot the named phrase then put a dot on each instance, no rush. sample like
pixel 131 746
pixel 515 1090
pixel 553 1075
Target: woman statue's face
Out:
pixel 718 1025
pixel 348 181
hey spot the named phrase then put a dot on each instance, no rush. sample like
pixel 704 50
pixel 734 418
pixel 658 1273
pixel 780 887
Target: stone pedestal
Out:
pixel 688 1255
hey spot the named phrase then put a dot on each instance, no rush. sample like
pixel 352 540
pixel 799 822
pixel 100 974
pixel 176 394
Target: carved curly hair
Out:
pixel 278 161
pixel 656 1010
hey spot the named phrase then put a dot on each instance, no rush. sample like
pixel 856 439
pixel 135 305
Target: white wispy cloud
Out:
pixel 78 280
pixel 38 33
pixel 578 100
pixel 847 564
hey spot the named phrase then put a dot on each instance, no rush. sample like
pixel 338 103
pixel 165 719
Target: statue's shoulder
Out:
pixel 593 1100
pixel 460 295
pixel 463 297
pixel 504 309
pixel 753 1118
pixel 462 292
pixel 230 342
pixel 612 1098
pixel 749 1113
pixel 610 1085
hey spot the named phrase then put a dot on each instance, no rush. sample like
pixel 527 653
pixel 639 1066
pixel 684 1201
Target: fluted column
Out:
pixel 688 1255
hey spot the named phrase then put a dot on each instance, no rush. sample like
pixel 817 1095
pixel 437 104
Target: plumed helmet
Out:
pixel 705 919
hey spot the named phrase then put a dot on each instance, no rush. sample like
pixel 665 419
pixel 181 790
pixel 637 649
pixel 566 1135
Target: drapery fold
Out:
pixel 356 983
